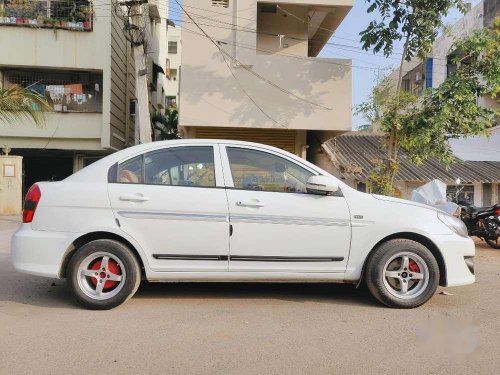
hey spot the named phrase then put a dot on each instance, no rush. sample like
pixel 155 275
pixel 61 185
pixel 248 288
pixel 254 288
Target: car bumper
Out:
pixel 40 252
pixel 458 255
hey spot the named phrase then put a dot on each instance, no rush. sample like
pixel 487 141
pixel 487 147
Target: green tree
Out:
pixel 452 110
pixel 18 104
pixel 377 104
pixel 416 23
pixel 164 126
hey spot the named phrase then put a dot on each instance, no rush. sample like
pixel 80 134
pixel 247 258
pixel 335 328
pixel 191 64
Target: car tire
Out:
pixel 103 274
pixel 402 273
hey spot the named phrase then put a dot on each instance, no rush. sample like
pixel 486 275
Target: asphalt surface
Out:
pixel 247 328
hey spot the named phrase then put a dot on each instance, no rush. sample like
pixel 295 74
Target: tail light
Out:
pixel 32 198
pixel 497 211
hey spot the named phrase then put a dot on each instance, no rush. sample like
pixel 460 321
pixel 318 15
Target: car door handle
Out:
pixel 134 198
pixel 250 204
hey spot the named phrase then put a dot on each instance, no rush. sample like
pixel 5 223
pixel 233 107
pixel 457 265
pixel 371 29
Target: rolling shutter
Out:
pixel 281 138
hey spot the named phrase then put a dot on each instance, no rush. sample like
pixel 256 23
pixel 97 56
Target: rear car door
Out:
pixel 172 202
pixel 276 225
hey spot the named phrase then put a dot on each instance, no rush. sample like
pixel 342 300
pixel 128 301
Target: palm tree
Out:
pixel 164 126
pixel 18 103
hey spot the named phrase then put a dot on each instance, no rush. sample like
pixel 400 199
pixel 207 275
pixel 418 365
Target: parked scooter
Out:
pixel 482 222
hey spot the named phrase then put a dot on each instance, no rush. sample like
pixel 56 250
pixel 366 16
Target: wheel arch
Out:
pixel 427 242
pixel 98 235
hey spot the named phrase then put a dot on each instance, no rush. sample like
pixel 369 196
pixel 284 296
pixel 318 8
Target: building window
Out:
pixel 172 75
pixel 172 47
pixel 59 14
pixel 220 3
pixel 414 81
pixel 65 91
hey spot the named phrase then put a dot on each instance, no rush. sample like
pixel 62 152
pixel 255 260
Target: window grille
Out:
pixel 65 91
pixel 220 3
pixel 59 14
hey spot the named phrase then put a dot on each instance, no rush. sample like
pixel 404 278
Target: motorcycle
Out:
pixel 482 222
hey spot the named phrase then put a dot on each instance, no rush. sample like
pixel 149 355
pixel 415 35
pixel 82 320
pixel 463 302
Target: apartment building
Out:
pixel 440 63
pixel 76 54
pixel 173 72
pixel 251 71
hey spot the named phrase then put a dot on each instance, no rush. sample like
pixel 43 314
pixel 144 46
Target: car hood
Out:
pixel 404 201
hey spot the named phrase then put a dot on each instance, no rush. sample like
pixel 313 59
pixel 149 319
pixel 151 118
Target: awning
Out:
pixel 357 154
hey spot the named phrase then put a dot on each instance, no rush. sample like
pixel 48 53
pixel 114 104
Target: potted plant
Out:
pixel 84 15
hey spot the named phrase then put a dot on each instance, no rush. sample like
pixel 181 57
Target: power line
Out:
pixel 231 71
pixel 252 30
pixel 337 46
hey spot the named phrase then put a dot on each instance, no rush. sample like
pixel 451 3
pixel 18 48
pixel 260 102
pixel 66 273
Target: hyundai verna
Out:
pixel 208 210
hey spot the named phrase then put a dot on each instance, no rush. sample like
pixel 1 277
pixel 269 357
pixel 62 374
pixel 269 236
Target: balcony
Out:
pixel 65 91
pixel 74 15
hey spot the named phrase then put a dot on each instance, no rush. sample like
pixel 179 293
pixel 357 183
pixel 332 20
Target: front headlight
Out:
pixel 454 223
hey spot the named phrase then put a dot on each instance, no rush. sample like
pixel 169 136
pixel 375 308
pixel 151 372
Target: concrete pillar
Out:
pixel 11 171
pixel 478 194
pixel 495 194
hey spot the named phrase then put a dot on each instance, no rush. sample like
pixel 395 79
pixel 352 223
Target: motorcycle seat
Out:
pixel 476 209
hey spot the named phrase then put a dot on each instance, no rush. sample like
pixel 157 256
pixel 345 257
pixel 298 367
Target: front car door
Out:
pixel 276 225
pixel 172 202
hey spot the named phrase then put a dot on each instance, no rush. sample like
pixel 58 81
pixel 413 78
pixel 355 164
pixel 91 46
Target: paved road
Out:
pixel 247 328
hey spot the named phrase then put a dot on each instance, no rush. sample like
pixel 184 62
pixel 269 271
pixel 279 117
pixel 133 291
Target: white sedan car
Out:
pixel 208 210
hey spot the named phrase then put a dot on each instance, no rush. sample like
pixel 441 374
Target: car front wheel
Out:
pixel 103 274
pixel 402 273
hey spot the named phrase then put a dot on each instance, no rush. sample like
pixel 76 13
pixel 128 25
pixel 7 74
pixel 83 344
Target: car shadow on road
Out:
pixel 330 293
pixel 50 293
pixel 42 292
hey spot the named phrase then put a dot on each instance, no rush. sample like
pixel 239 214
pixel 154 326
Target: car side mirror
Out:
pixel 321 185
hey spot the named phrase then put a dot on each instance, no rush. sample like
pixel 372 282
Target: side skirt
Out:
pixel 233 276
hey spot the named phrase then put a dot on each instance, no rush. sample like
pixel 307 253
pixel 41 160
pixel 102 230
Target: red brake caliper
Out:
pixel 413 266
pixel 112 267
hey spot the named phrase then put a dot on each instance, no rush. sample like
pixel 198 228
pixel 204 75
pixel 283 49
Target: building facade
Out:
pixel 251 71
pixel 78 57
pixel 173 72
pixel 440 63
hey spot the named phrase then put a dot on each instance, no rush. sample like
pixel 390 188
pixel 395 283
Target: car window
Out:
pixel 131 171
pixel 258 170
pixel 181 166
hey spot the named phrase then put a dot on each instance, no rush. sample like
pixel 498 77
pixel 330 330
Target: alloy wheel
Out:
pixel 101 275
pixel 406 275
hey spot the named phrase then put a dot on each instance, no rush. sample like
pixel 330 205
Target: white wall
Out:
pixel 211 96
pixel 174 35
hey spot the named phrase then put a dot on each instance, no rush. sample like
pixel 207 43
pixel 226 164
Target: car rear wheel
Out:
pixel 103 274
pixel 402 273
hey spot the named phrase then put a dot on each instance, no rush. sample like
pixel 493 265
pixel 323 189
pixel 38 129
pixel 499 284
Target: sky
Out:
pixel 367 67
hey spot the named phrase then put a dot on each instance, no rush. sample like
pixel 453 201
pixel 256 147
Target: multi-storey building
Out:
pixel 76 54
pixel 251 71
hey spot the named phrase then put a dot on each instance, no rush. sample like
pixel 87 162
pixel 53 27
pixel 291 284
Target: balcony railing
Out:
pixel 65 91
pixel 55 14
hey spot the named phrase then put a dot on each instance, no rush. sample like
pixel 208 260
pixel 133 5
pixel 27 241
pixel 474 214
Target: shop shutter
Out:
pixel 281 138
